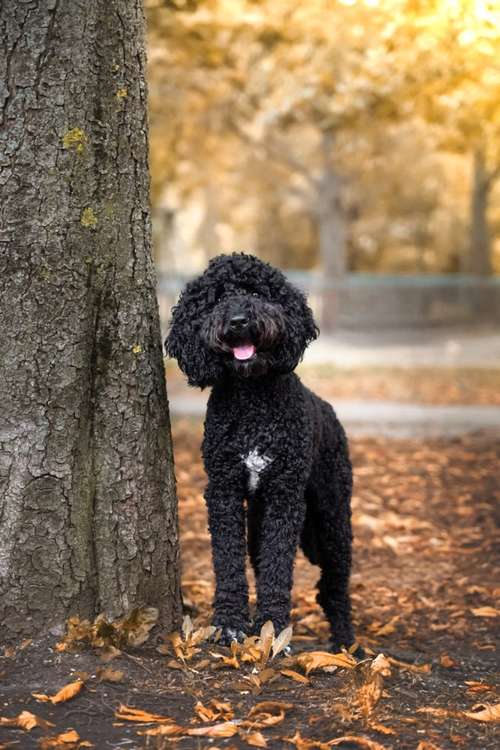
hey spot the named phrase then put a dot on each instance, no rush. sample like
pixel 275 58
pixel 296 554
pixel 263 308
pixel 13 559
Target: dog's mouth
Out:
pixel 243 352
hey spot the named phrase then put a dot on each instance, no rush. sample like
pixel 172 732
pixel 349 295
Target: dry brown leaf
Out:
pixel 108 653
pixel 381 665
pixel 64 694
pixel 357 740
pixel 478 687
pixel 266 675
pixel 485 612
pixel 69 740
pixel 479 712
pixel 225 729
pixel 265 642
pixel 369 694
pixel 282 640
pixel 381 728
pixel 302 743
pixel 295 676
pixel 187 627
pixel 425 745
pixel 134 628
pixel 25 720
pixel 423 668
pixel 110 675
pixel 311 660
pixel 447 662
pixel 216 710
pixel 229 661
pixel 256 739
pixel 165 730
pixel 266 714
pixel 484 712
pixel 388 628
pixel 137 715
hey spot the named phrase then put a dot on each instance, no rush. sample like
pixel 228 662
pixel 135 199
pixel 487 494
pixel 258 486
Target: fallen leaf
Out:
pixel 479 712
pixel 447 662
pixel 109 675
pixel 165 730
pixel 478 687
pixel 357 740
pixel 311 660
pixel 369 694
pixel 265 642
pixel 266 714
pixel 381 728
pixel 70 740
pixel 225 729
pixel 484 712
pixel 423 668
pixel 295 676
pixel 256 739
pixel 302 743
pixel 485 612
pixel 137 715
pixel 215 710
pixel 381 665
pixel 388 628
pixel 64 694
pixel 25 720
pixel 282 641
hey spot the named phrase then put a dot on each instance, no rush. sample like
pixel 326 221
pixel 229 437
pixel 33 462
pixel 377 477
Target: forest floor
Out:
pixel 425 589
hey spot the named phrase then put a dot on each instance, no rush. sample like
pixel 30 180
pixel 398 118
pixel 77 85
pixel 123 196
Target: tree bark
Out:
pixel 480 240
pixel 332 233
pixel 332 229
pixel 87 496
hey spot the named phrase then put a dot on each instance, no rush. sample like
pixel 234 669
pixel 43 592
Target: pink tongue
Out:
pixel 245 351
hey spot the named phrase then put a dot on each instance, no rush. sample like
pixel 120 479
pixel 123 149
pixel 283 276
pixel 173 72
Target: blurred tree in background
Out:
pixel 353 135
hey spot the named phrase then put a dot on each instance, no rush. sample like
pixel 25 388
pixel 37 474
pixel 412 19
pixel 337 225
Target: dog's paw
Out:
pixel 358 653
pixel 225 635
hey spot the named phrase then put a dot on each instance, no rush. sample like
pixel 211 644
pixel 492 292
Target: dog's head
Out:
pixel 240 318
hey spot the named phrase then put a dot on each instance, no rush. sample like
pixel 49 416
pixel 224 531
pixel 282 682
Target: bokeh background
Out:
pixel 356 144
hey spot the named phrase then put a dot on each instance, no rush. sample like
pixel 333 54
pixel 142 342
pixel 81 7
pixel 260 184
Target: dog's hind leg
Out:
pixel 330 491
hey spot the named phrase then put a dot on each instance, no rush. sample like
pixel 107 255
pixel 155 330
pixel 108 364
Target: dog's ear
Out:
pixel 184 342
pixel 301 327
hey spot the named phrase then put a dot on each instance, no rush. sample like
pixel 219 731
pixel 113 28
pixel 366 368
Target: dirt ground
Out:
pixel 425 589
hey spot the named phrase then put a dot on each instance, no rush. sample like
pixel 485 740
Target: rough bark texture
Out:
pixel 480 241
pixel 87 496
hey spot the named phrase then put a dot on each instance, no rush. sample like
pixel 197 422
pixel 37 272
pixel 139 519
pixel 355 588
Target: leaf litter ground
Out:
pixel 425 596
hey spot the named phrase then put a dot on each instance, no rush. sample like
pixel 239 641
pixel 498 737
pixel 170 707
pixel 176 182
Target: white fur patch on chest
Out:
pixel 255 464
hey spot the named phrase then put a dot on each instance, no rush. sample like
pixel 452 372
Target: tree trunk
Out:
pixel 332 233
pixel 479 261
pixel 87 495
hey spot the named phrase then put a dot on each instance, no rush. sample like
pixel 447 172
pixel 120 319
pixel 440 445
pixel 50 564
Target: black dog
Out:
pixel 242 328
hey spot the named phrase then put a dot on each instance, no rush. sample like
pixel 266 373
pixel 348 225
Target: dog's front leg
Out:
pixel 283 517
pixel 226 520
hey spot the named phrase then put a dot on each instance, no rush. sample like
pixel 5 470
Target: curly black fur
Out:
pixel 241 327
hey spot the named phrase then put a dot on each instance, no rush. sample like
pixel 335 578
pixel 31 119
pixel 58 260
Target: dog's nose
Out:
pixel 238 322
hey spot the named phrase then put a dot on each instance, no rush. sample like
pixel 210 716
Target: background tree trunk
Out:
pixel 87 496
pixel 332 231
pixel 480 241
